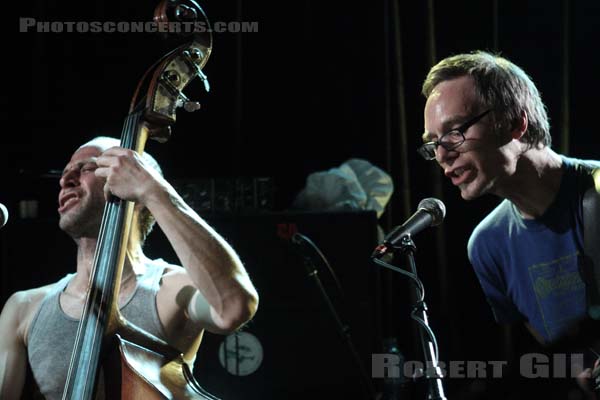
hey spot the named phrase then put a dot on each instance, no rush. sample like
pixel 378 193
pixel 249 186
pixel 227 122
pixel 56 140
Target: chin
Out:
pixel 78 231
pixel 70 228
pixel 65 222
pixel 467 196
pixel 78 224
pixel 472 191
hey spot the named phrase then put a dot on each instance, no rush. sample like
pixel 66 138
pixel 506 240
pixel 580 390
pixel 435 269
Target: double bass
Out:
pixel 136 364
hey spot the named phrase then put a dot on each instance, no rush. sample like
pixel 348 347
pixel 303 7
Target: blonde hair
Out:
pixel 501 86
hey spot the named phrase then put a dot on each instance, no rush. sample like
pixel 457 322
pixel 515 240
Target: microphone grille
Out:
pixel 435 207
pixel 3 215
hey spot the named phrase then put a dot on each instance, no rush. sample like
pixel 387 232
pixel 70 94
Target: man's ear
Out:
pixel 521 126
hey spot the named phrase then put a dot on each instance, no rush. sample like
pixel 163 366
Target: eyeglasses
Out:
pixel 449 140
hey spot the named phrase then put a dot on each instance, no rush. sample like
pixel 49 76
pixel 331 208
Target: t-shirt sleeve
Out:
pixel 492 281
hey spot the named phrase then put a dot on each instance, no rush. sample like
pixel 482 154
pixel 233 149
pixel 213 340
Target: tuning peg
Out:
pixel 193 57
pixel 191 106
pixel 204 79
pixel 187 104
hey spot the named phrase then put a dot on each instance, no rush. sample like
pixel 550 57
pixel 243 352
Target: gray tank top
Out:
pixel 52 332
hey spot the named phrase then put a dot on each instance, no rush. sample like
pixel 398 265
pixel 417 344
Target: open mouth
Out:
pixel 67 201
pixel 459 175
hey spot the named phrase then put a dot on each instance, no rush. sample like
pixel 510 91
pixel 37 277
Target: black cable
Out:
pixel 312 257
pixel 312 253
pixel 420 303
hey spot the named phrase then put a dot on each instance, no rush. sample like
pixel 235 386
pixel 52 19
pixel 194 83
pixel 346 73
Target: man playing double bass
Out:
pixel 211 291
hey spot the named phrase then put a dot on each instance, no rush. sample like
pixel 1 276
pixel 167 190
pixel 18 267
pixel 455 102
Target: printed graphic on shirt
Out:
pixel 557 286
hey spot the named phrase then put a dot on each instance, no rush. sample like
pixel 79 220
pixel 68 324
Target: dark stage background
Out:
pixel 319 83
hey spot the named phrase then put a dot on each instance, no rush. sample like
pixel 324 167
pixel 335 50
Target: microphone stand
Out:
pixel 432 372
pixel 343 328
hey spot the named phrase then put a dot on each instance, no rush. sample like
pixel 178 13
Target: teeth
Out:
pixel 68 201
pixel 458 171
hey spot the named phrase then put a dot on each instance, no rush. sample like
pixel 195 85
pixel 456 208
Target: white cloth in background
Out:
pixel 355 185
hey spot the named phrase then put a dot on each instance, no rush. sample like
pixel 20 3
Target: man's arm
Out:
pixel 211 264
pixel 13 355
pixel 225 298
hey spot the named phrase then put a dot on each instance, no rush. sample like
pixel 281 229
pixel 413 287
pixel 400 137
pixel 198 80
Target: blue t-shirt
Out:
pixel 529 268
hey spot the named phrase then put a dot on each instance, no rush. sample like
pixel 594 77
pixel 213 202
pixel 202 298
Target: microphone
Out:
pixel 3 215
pixel 430 212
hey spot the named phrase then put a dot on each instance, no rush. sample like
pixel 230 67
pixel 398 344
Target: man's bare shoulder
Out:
pixel 22 305
pixel 174 279
pixel 26 299
pixel 174 276
pixel 173 270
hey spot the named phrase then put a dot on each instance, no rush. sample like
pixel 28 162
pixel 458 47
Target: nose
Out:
pixel 444 156
pixel 69 179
